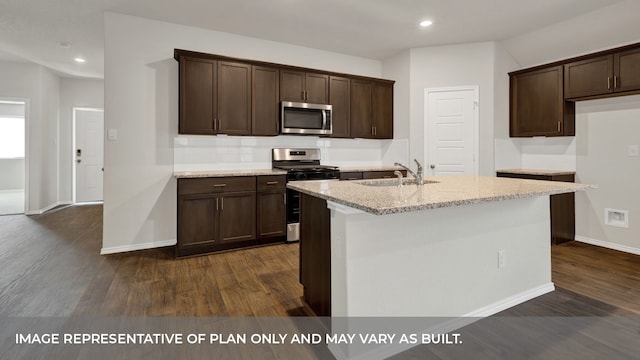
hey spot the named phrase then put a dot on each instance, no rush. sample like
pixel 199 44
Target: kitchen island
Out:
pixel 455 246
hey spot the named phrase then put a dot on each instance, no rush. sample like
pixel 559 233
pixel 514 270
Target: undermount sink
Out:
pixel 394 182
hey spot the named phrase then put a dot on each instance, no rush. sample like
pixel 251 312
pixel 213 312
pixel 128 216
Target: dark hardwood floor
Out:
pixel 51 266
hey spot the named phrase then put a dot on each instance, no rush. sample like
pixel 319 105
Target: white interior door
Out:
pixel 451 130
pixel 88 154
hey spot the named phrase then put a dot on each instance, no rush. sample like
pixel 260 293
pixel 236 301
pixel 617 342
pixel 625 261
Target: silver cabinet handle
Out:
pixel 284 199
pixel 615 82
pixel 608 82
pixel 558 125
pixel 217 207
pixel 221 204
pixel 272 182
pixel 219 185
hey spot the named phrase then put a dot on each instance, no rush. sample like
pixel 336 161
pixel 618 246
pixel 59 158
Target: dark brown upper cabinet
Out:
pixel 224 95
pixel 537 104
pixel 627 68
pixel 382 111
pixel 339 98
pixel 361 108
pixel 603 75
pixel 265 87
pixel 234 98
pixel 197 96
pixel 371 110
pixel 215 97
pixel 303 86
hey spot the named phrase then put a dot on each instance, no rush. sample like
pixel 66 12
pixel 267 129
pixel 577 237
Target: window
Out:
pixel 11 137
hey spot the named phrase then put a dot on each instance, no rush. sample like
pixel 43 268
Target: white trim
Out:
pixel 47 208
pixel 476 122
pixel 384 352
pixel 134 247
pixel 27 115
pixel 608 245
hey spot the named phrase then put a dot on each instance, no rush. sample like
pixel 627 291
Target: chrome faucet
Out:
pixel 419 176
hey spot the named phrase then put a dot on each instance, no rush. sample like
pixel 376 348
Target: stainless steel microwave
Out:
pixel 305 118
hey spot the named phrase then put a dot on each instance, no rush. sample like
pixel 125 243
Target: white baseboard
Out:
pixel 45 209
pixel 608 245
pixel 134 247
pixel 384 352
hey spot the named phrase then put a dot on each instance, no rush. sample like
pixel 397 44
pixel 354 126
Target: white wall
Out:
pixel 41 88
pixel 454 65
pixel 604 130
pixel 141 102
pixel 580 35
pixel 74 92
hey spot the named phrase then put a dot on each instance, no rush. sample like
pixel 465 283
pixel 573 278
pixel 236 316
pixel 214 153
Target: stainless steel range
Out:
pixel 300 164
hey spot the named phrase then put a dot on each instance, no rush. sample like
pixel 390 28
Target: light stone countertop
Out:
pixel 446 191
pixel 537 172
pixel 225 173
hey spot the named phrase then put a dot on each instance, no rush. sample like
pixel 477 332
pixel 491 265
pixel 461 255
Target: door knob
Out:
pixel 78 161
pixel 433 166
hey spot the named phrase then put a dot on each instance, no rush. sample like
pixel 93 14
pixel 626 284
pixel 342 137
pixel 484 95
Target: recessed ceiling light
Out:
pixel 426 23
pixel 80 60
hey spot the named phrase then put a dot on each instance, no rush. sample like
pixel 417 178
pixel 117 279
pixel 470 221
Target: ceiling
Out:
pixel 53 33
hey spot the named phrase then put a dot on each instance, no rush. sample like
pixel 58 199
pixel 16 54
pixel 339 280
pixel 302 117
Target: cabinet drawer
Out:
pixel 352 175
pixel 271 182
pixel 378 174
pixel 216 185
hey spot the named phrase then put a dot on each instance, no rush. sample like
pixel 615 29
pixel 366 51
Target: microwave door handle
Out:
pixel 324 119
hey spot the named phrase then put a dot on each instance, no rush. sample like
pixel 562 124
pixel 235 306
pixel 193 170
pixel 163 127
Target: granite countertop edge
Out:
pixel 387 210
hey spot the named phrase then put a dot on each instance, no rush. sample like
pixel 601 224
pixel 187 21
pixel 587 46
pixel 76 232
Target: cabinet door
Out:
pixel 627 68
pixel 537 104
pixel 589 77
pixel 271 214
pixel 361 98
pixel 382 111
pixel 237 217
pixel 197 96
pixel 339 99
pixel 291 85
pixel 265 99
pixel 234 98
pixel 198 226
pixel 316 88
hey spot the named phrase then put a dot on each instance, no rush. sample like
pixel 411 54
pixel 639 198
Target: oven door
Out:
pixel 305 118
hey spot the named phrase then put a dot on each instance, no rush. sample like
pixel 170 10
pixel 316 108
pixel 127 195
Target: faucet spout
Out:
pixel 419 176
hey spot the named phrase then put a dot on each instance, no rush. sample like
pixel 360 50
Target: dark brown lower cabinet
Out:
pixel 216 214
pixel 272 206
pixel 563 213
pixel 357 175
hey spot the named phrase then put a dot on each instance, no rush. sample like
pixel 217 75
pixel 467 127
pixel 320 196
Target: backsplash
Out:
pixel 192 153
pixel 552 153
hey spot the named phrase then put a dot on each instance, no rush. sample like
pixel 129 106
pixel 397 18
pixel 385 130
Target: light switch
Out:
pixel 633 150
pixel 112 134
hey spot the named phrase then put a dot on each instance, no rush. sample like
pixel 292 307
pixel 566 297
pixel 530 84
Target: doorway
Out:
pixel 88 154
pixel 13 156
pixel 451 130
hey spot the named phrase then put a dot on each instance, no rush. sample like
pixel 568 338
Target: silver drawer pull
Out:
pixel 219 185
pixel 272 182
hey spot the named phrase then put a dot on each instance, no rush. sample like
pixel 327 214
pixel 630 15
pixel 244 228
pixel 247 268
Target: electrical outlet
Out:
pixel 502 258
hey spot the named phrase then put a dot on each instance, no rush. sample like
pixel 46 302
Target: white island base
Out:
pixel 473 260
